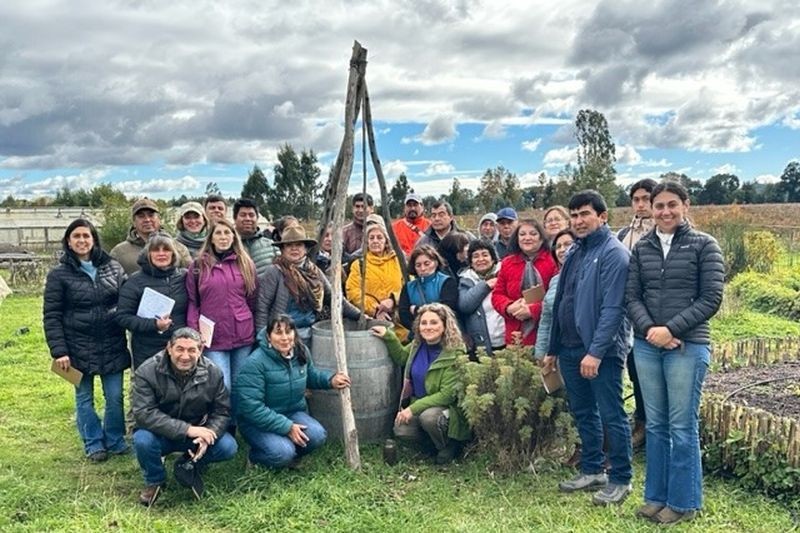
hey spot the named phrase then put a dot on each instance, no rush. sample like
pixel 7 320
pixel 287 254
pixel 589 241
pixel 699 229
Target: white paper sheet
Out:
pixel 154 304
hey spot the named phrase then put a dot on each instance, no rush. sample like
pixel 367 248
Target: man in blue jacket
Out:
pixel 590 338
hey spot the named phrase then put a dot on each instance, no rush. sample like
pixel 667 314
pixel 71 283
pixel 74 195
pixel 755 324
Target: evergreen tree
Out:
pixel 596 155
pixel 397 195
pixel 790 182
pixel 256 188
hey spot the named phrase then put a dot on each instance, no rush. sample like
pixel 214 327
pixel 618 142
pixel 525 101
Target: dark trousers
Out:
pixel 597 403
pixel 638 410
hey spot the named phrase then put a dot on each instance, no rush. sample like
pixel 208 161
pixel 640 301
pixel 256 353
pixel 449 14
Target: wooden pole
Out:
pixel 376 162
pixel 340 179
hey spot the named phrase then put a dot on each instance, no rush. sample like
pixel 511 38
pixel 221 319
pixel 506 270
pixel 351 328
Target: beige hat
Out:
pixel 295 233
pixel 142 204
pixel 374 218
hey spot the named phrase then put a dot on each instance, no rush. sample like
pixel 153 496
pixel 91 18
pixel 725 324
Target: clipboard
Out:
pixel 552 381
pixel 533 294
pixel 73 375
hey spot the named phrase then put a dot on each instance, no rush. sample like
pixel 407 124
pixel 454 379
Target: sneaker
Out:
pixel 98 457
pixel 149 495
pixel 612 493
pixel 648 510
pixel 669 516
pixel 584 482
pixel 187 473
pixel 638 434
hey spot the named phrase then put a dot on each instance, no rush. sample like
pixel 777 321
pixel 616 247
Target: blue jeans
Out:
pixel 277 451
pixel 110 434
pixel 596 403
pixel 229 361
pixel 150 448
pixel 672 381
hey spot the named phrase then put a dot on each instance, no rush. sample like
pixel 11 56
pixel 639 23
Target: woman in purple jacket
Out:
pixel 221 286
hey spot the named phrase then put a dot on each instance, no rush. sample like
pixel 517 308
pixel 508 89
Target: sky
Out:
pixel 161 98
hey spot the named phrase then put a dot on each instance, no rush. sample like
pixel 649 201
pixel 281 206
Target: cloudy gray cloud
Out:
pixel 131 82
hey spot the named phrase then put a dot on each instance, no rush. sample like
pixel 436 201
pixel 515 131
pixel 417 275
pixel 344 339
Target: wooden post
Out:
pixel 376 163
pixel 338 187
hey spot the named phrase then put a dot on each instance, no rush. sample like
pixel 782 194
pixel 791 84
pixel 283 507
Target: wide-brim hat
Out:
pixel 295 233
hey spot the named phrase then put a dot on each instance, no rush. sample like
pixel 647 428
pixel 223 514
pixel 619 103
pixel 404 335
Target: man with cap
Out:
pixel 192 227
pixel 180 404
pixel 353 233
pixel 487 227
pixel 259 246
pixel 412 225
pixel 145 221
pixel 506 223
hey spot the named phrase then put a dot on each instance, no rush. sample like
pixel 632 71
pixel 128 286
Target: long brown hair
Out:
pixel 208 259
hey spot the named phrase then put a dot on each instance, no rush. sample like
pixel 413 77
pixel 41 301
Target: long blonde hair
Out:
pixel 208 259
pixel 451 339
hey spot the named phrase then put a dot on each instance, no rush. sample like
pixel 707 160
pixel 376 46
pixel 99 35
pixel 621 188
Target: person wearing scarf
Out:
pixel 294 285
pixel 192 227
pixel 528 264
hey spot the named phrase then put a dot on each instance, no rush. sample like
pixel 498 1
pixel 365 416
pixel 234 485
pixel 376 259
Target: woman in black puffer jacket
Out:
pixel 80 300
pixel 159 272
pixel 675 282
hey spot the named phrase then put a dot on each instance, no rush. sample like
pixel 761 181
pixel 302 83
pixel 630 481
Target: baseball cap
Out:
pixel 413 197
pixel 142 204
pixel 507 213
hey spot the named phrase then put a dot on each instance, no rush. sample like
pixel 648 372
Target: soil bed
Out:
pixel 777 397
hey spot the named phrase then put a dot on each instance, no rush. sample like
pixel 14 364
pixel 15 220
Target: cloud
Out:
pixel 392 169
pixel 559 157
pixel 727 168
pixel 532 145
pixel 494 130
pixel 438 168
pixel 767 178
pixel 627 155
pixel 184 184
pixel 439 130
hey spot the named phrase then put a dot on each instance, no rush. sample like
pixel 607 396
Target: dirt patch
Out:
pixel 780 397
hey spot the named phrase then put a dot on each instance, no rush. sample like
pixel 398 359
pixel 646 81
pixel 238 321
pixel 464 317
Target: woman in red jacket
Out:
pixel 527 265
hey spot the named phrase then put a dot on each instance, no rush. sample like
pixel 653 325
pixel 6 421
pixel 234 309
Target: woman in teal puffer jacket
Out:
pixel 269 396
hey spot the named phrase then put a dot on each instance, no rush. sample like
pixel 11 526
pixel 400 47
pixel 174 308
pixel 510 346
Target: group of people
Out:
pixel 568 288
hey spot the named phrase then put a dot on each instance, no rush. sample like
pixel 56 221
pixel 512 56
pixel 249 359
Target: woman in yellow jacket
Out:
pixel 383 279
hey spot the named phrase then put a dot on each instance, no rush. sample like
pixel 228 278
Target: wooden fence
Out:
pixel 721 419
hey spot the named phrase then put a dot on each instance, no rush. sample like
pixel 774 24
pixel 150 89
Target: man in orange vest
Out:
pixel 412 225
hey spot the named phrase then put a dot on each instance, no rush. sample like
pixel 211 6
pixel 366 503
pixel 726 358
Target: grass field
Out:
pixel 47 485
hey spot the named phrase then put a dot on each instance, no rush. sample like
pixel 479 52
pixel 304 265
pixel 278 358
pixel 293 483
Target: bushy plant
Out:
pixel 729 228
pixel 116 223
pixel 777 294
pixel 762 467
pixel 762 250
pixel 513 417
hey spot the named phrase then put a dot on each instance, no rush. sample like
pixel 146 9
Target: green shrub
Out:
pixel 513 417
pixel 762 467
pixel 762 250
pixel 116 223
pixel 777 294
pixel 729 230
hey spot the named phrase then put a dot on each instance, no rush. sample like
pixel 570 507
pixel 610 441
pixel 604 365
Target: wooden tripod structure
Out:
pixel 335 198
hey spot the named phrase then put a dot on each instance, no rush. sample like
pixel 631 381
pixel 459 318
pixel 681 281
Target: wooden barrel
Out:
pixel 375 390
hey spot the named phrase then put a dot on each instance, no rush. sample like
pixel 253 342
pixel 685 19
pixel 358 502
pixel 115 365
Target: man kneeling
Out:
pixel 180 404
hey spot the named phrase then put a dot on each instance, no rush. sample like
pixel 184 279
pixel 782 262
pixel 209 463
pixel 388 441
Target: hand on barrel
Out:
pixel 340 380
pixel 378 331
pixel 403 416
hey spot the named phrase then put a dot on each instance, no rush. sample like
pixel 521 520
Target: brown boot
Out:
pixel 149 495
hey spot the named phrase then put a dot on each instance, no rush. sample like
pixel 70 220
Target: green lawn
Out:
pixel 47 485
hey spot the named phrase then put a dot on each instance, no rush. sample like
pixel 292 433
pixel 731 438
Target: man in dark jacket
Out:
pixel 590 336
pixel 180 404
